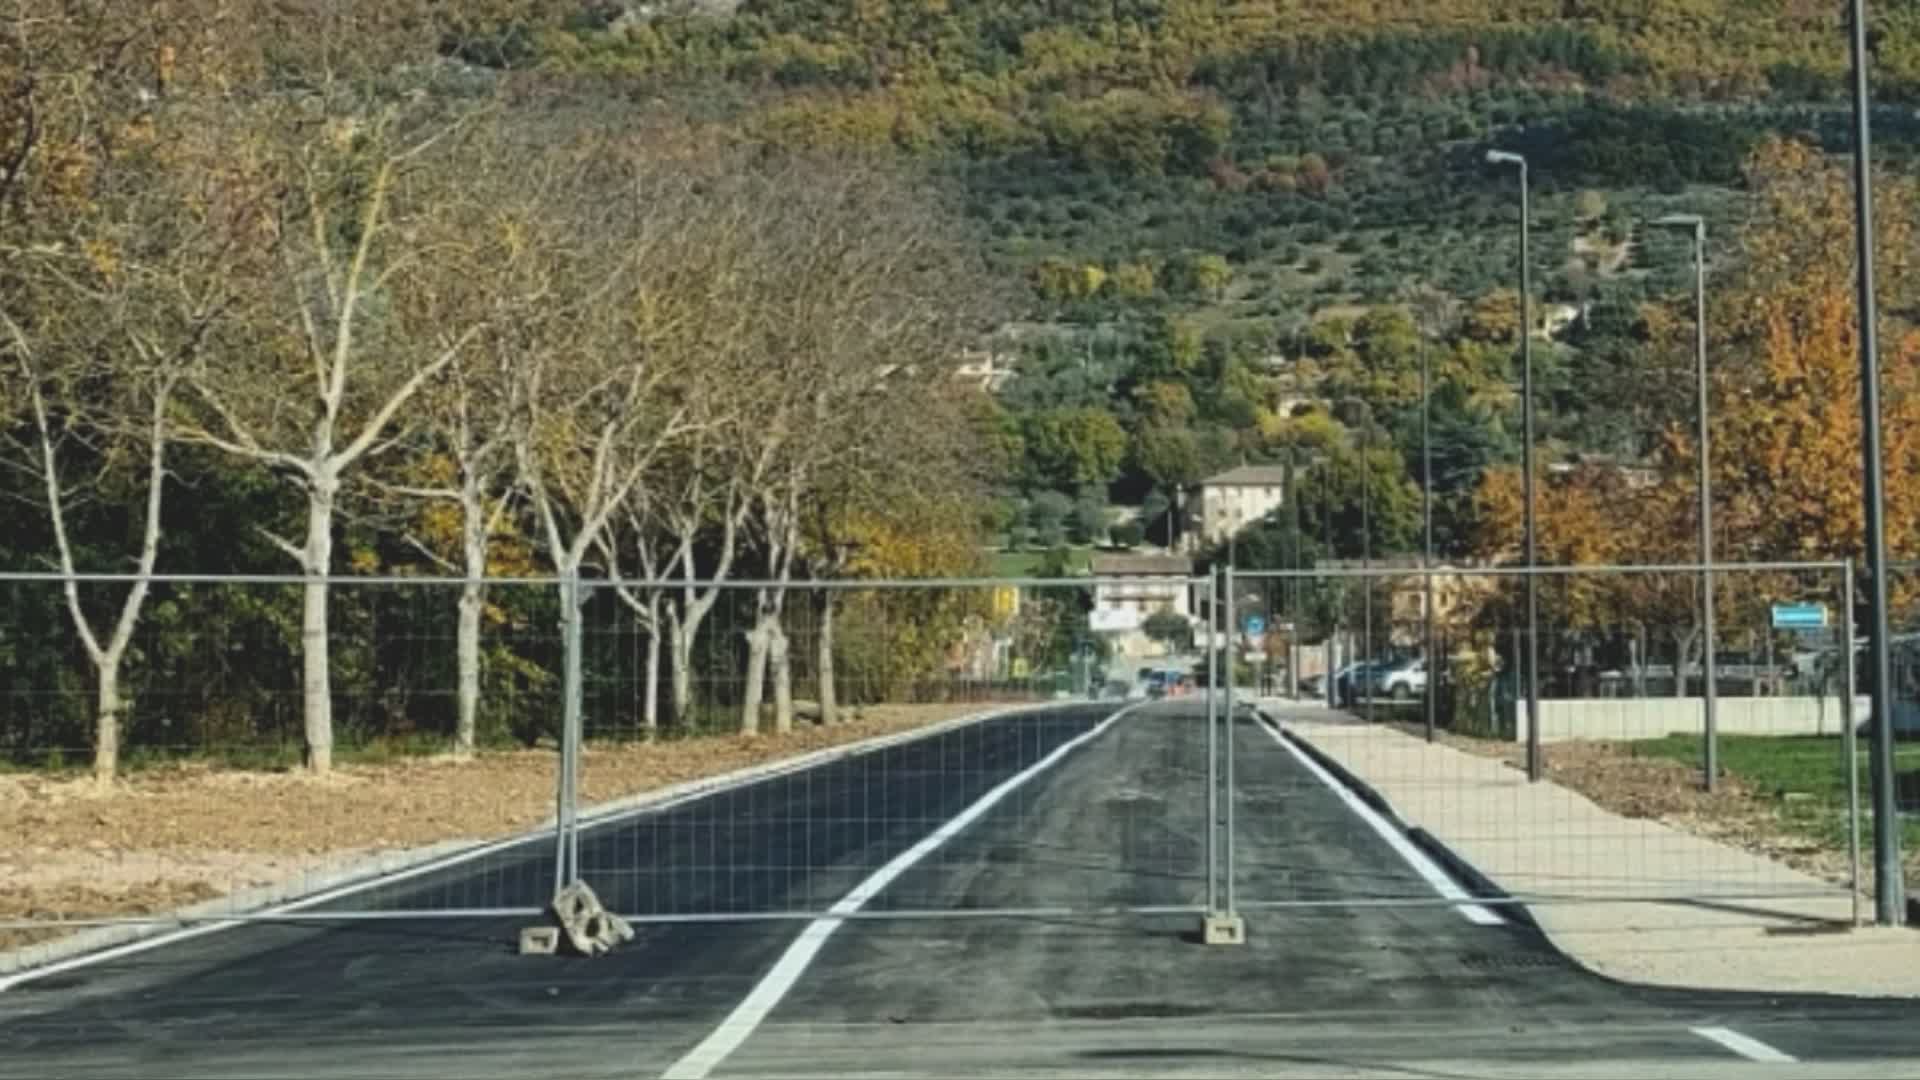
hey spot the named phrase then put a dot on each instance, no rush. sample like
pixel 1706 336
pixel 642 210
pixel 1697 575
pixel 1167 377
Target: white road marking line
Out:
pixel 701 790
pixel 1746 1046
pixel 786 972
pixel 1423 865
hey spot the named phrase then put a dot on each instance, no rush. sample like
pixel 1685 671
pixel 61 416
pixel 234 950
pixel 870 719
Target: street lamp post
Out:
pixel 1889 906
pixel 1695 224
pixel 1502 157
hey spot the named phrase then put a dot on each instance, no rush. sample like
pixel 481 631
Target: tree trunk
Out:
pixel 473 543
pixel 759 644
pixel 780 667
pixel 829 695
pixel 316 688
pixel 467 648
pixel 650 708
pixel 680 654
pixel 106 725
pixel 1682 653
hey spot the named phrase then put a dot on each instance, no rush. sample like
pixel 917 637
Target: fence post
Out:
pixel 1849 742
pixel 1432 659
pixel 1233 634
pixel 1220 926
pixel 1213 748
pixel 566 859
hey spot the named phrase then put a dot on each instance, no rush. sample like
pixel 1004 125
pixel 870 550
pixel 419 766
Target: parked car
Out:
pixel 1401 680
pixel 1351 680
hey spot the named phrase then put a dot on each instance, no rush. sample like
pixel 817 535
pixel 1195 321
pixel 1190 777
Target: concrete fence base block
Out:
pixel 1223 930
pixel 589 927
pixel 539 940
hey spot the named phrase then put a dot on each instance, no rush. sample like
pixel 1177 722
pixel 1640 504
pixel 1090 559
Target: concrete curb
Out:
pixel 1469 877
pixel 370 870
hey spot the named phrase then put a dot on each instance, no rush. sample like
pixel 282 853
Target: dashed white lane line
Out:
pixel 766 994
pixel 1745 1045
pixel 1423 865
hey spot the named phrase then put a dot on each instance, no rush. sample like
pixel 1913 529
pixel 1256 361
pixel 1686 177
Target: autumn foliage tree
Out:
pixel 1784 345
pixel 1783 351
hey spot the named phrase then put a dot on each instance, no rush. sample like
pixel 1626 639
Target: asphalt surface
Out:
pixel 1068 988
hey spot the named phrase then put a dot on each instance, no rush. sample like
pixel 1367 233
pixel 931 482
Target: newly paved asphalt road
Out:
pixel 1117 821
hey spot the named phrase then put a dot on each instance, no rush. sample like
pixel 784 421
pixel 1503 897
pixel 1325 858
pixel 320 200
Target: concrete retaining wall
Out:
pixel 1654 718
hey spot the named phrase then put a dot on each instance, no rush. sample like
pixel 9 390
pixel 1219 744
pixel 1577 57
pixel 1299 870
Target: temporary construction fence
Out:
pixel 615 703
pixel 1442 652
pixel 1022 768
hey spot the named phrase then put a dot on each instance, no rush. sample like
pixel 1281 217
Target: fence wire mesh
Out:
pixel 972 705
pixel 928 749
pixel 1355 668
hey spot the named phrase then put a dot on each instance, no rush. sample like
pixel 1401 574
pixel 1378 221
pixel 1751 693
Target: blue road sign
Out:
pixel 1799 616
pixel 1254 624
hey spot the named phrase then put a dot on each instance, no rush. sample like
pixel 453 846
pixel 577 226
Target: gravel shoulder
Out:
pixel 163 838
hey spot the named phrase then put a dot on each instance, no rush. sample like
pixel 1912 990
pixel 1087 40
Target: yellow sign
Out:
pixel 1006 601
pixel 1020 667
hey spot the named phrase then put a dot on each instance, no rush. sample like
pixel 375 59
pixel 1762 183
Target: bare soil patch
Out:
pixel 168 837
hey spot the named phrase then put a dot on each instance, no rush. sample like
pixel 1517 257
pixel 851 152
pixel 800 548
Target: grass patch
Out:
pixel 1014 564
pixel 1805 775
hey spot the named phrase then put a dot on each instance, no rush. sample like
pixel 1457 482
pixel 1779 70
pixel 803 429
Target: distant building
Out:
pixel 1230 501
pixel 990 370
pixel 1637 475
pixel 1400 593
pixel 1557 319
pixel 1154 583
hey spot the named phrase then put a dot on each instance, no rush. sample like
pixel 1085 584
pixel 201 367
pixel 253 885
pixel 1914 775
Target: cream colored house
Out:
pixel 1230 501
pixel 1128 589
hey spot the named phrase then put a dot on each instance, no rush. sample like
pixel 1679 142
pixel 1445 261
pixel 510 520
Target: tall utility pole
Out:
pixel 1502 157
pixel 1889 905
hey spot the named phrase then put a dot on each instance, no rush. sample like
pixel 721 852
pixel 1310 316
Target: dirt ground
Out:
pixel 1669 792
pixel 166 838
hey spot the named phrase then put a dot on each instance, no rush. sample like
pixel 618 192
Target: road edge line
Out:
pixel 102 944
pixel 1395 835
pixel 1744 1045
pixel 746 1017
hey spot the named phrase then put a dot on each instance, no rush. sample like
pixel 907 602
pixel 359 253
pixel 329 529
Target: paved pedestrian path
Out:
pixel 1628 898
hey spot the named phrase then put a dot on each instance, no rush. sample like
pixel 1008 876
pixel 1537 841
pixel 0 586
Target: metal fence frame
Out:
pixel 1843 573
pixel 1222 893
pixel 569 822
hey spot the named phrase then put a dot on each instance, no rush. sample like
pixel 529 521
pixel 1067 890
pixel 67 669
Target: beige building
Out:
pixel 1128 589
pixel 1400 593
pixel 1230 501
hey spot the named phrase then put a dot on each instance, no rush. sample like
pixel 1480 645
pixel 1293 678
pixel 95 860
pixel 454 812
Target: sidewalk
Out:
pixel 1727 919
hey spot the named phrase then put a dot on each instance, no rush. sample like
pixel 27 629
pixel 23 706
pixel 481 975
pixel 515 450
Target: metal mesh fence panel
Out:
pixel 992 771
pixel 1346 797
pixel 916 748
pixel 1903 586
pixel 213 813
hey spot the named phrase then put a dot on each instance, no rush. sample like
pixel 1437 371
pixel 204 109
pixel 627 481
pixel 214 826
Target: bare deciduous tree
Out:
pixel 881 294
pixel 334 363
pixel 496 230
pixel 125 256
